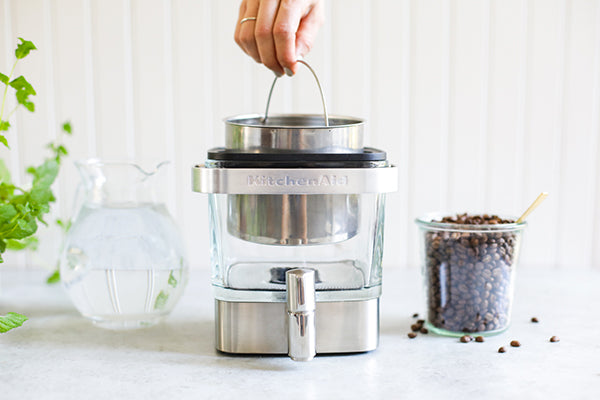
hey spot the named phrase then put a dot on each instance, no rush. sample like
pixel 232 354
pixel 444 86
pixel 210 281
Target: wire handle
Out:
pixel 325 115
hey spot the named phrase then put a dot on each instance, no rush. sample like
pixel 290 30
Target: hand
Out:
pixel 282 32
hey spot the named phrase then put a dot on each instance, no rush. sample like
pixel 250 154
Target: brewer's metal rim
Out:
pixel 294 132
pixel 237 120
pixel 429 222
pixel 295 180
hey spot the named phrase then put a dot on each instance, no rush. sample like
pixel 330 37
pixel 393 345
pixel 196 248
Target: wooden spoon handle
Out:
pixel 533 206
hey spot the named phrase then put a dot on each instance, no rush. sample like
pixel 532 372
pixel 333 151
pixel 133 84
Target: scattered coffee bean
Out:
pixel 412 335
pixel 417 325
pixel 469 275
pixel 480 339
pixel 554 339
pixel 534 319
pixel 424 331
pixel 416 315
pixel 466 339
pixel 502 350
pixel 515 343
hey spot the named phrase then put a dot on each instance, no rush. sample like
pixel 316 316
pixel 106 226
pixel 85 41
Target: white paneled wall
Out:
pixel 481 103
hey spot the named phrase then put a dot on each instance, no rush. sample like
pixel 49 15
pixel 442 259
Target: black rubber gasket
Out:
pixel 227 158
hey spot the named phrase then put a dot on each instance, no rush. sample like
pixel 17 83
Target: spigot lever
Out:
pixel 301 305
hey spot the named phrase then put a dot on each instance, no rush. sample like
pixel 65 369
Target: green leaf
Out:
pixel 24 227
pixel 10 321
pixel 24 90
pixel 23 208
pixel 6 191
pixel 21 84
pixel 3 78
pixel 161 300
pixel 172 281
pixel 30 243
pixel 54 278
pixel 67 128
pixel 24 48
pixel 4 172
pixel 64 225
pixel 4 141
pixel 29 105
pixel 45 174
pixel 41 195
pixel 4 125
pixel 45 208
pixel 7 213
pixel 2 246
pixel 23 99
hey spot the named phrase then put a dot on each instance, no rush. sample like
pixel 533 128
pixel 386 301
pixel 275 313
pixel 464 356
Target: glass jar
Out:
pixel 252 269
pixel 469 273
pixel 123 263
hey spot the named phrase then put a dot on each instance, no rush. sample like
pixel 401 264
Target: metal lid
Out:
pixel 294 132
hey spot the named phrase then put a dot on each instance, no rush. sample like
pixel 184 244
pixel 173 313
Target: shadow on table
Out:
pixel 56 328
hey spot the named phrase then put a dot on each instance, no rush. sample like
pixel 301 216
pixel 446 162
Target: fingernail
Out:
pixel 288 72
pixel 278 74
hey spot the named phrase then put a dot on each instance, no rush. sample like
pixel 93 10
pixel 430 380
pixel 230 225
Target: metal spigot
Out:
pixel 301 305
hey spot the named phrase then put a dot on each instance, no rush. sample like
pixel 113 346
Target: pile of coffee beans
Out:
pixel 469 274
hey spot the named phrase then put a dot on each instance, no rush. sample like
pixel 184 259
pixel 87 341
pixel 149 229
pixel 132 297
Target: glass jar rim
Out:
pixel 427 221
pixel 145 167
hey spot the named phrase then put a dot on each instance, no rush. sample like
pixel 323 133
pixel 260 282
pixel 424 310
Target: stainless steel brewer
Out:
pixel 296 208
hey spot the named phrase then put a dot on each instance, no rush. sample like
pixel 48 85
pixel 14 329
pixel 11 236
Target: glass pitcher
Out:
pixel 123 262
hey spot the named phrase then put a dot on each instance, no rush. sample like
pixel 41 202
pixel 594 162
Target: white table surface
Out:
pixel 59 355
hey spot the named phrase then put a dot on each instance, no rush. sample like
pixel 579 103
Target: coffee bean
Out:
pixel 515 343
pixel 480 339
pixel 468 275
pixel 554 339
pixel 466 338
pixel 424 331
pixel 502 350
pixel 415 327
pixel 534 319
pixel 416 315
pixel 412 335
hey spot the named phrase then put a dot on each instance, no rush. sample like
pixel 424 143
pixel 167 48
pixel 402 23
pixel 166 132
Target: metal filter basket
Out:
pixel 292 219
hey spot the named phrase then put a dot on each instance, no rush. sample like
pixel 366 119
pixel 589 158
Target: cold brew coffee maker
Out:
pixel 296 207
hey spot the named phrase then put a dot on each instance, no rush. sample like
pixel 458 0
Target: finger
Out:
pixel 247 30
pixel 307 31
pixel 263 33
pixel 284 32
pixel 236 34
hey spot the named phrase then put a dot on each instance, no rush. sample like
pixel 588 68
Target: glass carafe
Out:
pixel 123 262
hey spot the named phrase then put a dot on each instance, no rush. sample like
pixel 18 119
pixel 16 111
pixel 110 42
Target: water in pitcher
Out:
pixel 123 266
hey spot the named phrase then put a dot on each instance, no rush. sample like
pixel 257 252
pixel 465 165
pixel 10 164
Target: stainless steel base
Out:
pixel 260 328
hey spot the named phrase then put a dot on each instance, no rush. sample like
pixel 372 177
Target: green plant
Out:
pixel 10 321
pixel 22 209
pixel 23 89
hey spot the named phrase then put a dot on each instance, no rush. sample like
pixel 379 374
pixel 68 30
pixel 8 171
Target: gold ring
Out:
pixel 247 19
